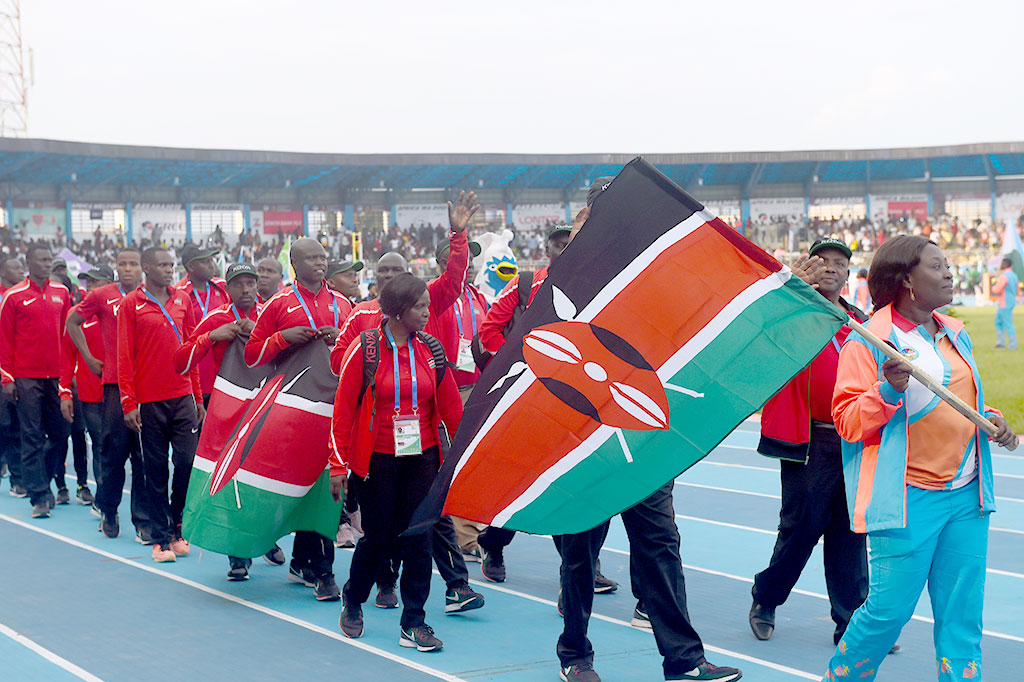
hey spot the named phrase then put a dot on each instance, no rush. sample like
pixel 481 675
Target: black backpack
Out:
pixel 370 344
pixel 481 356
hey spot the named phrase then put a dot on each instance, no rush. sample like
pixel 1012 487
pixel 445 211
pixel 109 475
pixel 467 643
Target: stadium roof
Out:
pixel 57 163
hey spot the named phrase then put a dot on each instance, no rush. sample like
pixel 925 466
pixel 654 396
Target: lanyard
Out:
pixel 164 311
pixel 472 312
pixel 209 294
pixel 412 370
pixel 121 289
pixel 309 315
pixel 235 311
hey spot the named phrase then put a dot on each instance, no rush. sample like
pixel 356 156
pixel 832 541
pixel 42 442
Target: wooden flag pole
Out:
pixel 931 384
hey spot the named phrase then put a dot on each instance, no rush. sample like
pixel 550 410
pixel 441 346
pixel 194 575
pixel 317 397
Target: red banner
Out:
pixel 918 209
pixel 285 221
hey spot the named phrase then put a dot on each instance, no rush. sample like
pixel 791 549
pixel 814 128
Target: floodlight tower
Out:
pixel 13 102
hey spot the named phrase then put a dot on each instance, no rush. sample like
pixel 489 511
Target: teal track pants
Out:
pixel 945 545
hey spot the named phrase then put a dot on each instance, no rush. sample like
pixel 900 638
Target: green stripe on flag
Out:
pixel 769 342
pixel 219 525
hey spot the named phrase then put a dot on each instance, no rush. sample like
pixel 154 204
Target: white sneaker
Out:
pixel 346 536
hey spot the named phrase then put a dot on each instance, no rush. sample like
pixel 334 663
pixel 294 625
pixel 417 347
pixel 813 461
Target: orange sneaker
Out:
pixel 180 547
pixel 163 555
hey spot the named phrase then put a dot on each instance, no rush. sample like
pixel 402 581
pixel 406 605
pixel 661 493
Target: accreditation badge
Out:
pixel 407 435
pixel 465 362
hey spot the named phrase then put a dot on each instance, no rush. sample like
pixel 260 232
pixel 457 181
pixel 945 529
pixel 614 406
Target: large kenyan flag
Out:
pixel 260 469
pixel 656 333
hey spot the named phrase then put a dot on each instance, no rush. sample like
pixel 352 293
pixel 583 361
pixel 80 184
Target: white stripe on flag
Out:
pixel 237 392
pixel 603 297
pixel 690 349
pixel 257 481
pixel 299 403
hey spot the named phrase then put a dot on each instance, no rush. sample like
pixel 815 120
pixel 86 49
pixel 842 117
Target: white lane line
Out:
pixel 241 602
pixel 728 525
pixel 779 497
pixel 738 466
pixel 1009 499
pixel 728 490
pixel 49 655
pixel 1010 574
pixel 616 621
pixel 808 593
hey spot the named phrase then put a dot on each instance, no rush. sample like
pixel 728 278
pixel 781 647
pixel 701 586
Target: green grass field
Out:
pixel 1002 371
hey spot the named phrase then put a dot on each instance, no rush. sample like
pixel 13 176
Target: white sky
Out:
pixel 553 76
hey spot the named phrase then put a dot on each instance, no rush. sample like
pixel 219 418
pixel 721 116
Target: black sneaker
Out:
pixel 53 500
pixel 579 672
pixel 472 555
pixel 560 604
pixel 63 496
pixel 493 565
pixel 143 536
pixel 641 620
pixel 84 496
pixel 461 597
pixel 302 575
pixel 706 671
pixel 420 638
pixel 603 585
pixel 41 510
pixel 386 597
pixel 351 621
pixel 95 511
pixel 18 490
pixel 239 569
pixel 110 526
pixel 275 557
pixel 327 589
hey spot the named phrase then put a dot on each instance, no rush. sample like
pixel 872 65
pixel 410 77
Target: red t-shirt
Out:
pixel 146 343
pixel 31 326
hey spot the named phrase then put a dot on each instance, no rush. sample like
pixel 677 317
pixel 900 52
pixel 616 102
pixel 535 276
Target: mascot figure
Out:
pixel 496 264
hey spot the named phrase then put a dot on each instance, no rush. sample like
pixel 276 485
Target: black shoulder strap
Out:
pixel 370 345
pixel 437 350
pixel 524 289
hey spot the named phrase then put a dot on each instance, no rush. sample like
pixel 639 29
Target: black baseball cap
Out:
pixel 334 267
pixel 567 229
pixel 597 186
pixel 474 249
pixel 238 269
pixel 191 252
pixel 99 273
pixel 58 263
pixel 830 243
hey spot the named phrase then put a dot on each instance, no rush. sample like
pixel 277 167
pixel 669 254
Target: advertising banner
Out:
pixel 271 222
pixel 726 209
pixel 158 222
pixel 777 208
pixel 39 222
pixel 421 215
pixel 530 217
pixel 1009 207
pixel 897 205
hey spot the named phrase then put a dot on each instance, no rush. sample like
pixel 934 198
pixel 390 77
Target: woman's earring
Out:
pixel 399 317
pixel 912 298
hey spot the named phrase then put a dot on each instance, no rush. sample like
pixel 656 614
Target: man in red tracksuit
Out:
pixel 31 317
pixel 81 393
pixel 212 336
pixel 158 402
pixel 797 429
pixel 205 290
pixel 118 444
pixel 307 311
